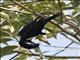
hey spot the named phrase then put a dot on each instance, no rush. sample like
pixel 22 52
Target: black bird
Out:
pixel 33 29
pixel 27 44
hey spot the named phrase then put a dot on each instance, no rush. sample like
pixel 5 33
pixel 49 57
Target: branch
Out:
pixel 63 49
pixel 57 57
pixel 70 38
pixel 23 2
pixel 68 8
pixel 2 8
pixel 14 56
pixel 65 31
pixel 7 9
pixel 26 8
pixel 78 30
pixel 72 25
pixel 60 7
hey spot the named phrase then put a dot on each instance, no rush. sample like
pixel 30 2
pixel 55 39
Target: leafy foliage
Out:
pixel 7 50
pixel 13 16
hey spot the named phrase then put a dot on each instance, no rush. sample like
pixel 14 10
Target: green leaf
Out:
pixel 7 2
pixel 7 50
pixel 75 3
pixel 51 34
pixel 5 39
pixel 5 36
pixel 37 49
pixel 77 10
pixel 43 39
pixel 5 32
pixel 22 57
pixel 4 23
pixel 4 15
pixel 53 31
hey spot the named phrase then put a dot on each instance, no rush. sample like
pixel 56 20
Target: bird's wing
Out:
pixel 27 27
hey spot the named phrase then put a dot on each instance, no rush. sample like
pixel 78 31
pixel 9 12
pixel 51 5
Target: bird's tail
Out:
pixel 27 43
pixel 52 17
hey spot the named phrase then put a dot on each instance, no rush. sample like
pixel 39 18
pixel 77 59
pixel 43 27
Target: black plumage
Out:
pixel 33 29
pixel 27 43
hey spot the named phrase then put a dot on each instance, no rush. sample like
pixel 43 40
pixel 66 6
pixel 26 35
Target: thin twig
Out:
pixel 72 26
pixel 37 14
pixel 67 32
pixel 60 7
pixel 70 38
pixel 23 2
pixel 77 33
pixel 7 9
pixel 62 14
pixel 57 57
pixel 14 56
pixel 2 8
pixel 63 49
